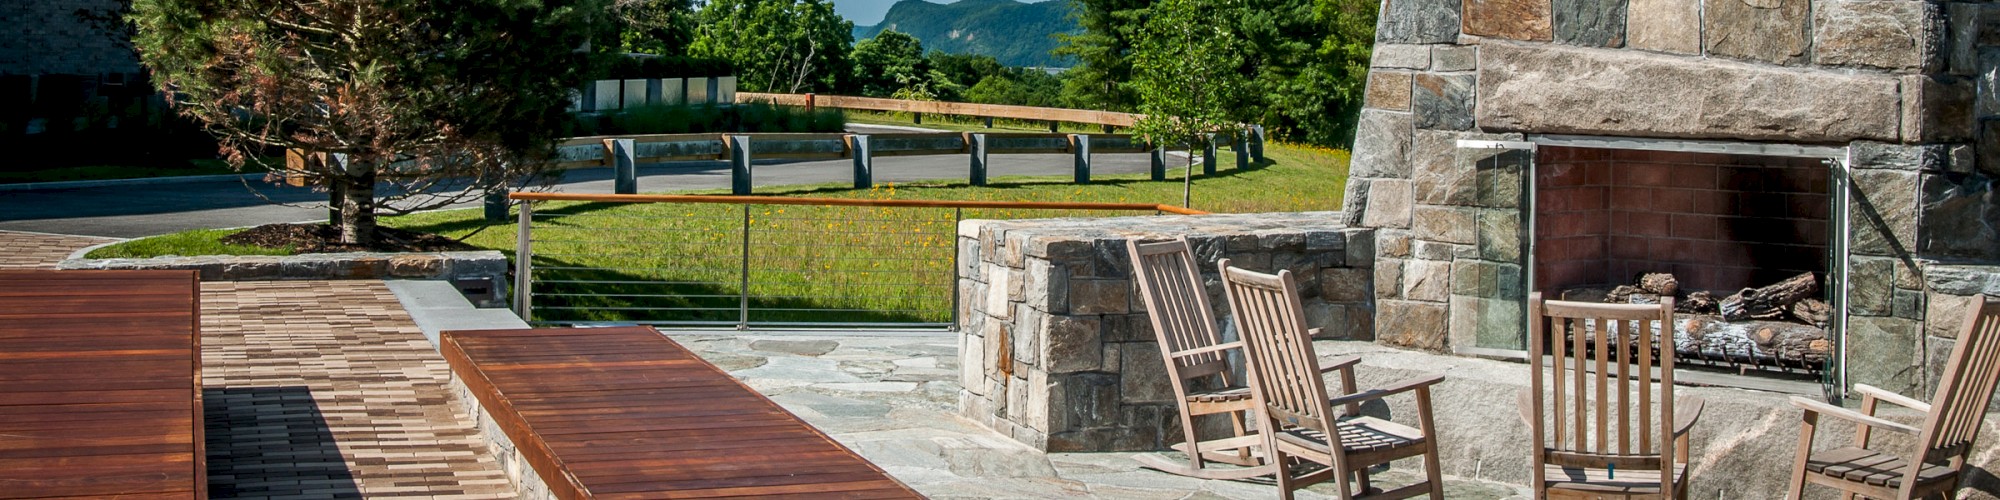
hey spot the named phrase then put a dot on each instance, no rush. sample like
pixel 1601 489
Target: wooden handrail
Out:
pixel 1112 118
pixel 845 202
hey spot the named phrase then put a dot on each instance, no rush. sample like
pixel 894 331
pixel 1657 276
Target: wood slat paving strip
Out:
pixel 629 413
pixel 100 385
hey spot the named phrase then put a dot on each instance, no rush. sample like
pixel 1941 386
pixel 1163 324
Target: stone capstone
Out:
pixel 1590 23
pixel 1773 31
pixel 1510 19
pixel 1418 21
pixel 1443 102
pixel 1553 89
pixel 1664 26
pixel 1881 34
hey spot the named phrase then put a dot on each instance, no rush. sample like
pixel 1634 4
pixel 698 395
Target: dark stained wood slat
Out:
pixel 100 385
pixel 629 413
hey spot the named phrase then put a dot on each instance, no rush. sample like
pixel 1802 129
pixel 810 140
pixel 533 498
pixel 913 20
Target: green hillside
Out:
pixel 1018 34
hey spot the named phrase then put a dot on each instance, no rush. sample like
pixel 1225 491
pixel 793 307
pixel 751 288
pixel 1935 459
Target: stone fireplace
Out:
pixel 1510 146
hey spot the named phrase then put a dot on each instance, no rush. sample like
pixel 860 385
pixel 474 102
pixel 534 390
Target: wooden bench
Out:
pixel 100 385
pixel 628 413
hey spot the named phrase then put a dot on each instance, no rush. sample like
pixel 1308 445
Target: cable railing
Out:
pixel 751 261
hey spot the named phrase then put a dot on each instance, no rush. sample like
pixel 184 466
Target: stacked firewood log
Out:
pixel 1785 319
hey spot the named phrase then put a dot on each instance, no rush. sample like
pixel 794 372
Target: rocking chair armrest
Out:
pixel 1205 350
pixel 1811 406
pixel 1688 412
pixel 1898 399
pixel 1379 393
pixel 1331 364
pixel 1315 333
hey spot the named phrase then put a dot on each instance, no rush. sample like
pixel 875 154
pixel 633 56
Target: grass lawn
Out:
pixel 99 172
pixel 607 261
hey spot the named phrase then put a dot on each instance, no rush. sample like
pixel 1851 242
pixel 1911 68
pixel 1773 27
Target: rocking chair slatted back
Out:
pixel 1966 388
pixel 1269 320
pixel 1177 304
pixel 1601 361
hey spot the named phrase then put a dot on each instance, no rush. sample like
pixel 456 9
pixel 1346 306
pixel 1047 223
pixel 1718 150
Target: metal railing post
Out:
pixel 1079 147
pixel 524 256
pixel 1158 169
pixel 743 293
pixel 1242 146
pixel 1208 156
pixel 864 161
pixel 957 217
pixel 739 164
pixel 977 144
pixel 624 166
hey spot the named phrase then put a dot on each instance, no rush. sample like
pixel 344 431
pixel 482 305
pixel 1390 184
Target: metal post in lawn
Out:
pixel 524 257
pixel 1079 148
pixel 957 217
pixel 496 206
pixel 864 161
pixel 1208 155
pixel 624 166
pixel 739 164
pixel 1242 147
pixel 743 293
pixel 1257 142
pixel 1159 166
pixel 977 143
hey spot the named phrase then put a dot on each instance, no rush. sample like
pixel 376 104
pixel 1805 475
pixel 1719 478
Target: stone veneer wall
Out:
pixel 1055 345
pixel 1913 88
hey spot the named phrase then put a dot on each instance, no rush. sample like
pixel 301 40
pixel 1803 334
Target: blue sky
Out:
pixel 870 12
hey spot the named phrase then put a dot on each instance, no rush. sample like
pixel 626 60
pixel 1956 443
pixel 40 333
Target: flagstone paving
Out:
pixel 893 399
pixel 19 250
pixel 326 389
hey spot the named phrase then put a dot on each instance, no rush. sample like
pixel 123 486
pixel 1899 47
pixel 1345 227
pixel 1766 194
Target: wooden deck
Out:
pixel 628 413
pixel 100 385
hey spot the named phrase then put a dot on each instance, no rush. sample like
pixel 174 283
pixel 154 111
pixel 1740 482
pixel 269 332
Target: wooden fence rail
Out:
pixel 1106 118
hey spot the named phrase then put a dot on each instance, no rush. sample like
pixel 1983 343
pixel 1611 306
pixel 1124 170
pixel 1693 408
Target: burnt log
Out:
pixel 1783 341
pixel 1813 311
pixel 1700 302
pixel 1770 302
pixel 1628 294
pixel 1662 284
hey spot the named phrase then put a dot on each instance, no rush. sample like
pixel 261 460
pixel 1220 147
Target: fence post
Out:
pixel 1242 147
pixel 916 118
pixel 977 144
pixel 989 122
pixel 496 206
pixel 1257 142
pixel 864 161
pixel 739 164
pixel 1208 156
pixel 524 257
pixel 624 166
pixel 1053 128
pixel 336 162
pixel 1079 148
pixel 1159 168
pixel 1107 128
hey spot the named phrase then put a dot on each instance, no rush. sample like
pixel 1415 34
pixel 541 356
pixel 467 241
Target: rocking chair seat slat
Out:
pixel 1870 467
pixel 1222 395
pixel 1357 435
pixel 1606 481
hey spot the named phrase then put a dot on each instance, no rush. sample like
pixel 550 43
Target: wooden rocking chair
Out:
pixel 1198 364
pixel 1292 403
pixel 1951 423
pixel 1587 444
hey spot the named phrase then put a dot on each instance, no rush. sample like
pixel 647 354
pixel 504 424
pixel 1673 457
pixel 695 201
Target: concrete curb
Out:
pixel 437 306
pixel 187 179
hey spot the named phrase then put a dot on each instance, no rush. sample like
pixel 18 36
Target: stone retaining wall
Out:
pixel 527 482
pixel 1056 348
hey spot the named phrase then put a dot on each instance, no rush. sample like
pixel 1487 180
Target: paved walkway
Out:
pixel 326 389
pixel 20 250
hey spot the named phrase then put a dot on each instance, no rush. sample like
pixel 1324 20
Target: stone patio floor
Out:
pixel 20 250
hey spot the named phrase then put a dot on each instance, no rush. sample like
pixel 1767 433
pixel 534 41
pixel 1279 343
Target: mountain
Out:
pixel 1016 33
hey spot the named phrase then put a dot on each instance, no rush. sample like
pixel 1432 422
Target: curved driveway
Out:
pixel 129 211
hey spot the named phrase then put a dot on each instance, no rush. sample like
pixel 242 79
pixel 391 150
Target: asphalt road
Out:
pixel 131 211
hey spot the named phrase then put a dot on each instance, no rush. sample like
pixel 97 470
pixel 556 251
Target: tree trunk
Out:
pixel 357 206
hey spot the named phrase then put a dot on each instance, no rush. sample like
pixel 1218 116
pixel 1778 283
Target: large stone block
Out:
pixel 1382 145
pixel 1774 31
pixel 1883 34
pixel 1419 325
pixel 1145 377
pixel 1443 102
pixel 1427 280
pixel 1388 204
pixel 1987 105
pixel 1400 56
pixel 1499 235
pixel 1937 109
pixel 1443 224
pixel 1436 175
pixel 1871 283
pixel 1961 218
pixel 1884 211
pixel 1590 23
pixel 1883 352
pixel 1664 26
pixel 1389 278
pixel 1093 296
pixel 1344 284
pixel 1072 344
pixel 1534 89
pixel 1418 21
pixel 1454 57
pixel 1388 90
pixel 1972 25
pixel 1511 19
pixel 1946 313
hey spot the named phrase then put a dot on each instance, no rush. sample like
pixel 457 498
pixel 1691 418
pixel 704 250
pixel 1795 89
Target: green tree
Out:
pixel 443 99
pixel 1102 78
pixel 1184 72
pixel 1307 61
pixel 888 62
pixel 658 27
pixel 789 46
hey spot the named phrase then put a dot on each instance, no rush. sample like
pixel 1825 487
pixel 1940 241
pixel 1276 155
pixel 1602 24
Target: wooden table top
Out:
pixel 100 384
pixel 628 413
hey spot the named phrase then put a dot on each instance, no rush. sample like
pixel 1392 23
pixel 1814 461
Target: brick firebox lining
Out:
pixel 1718 222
